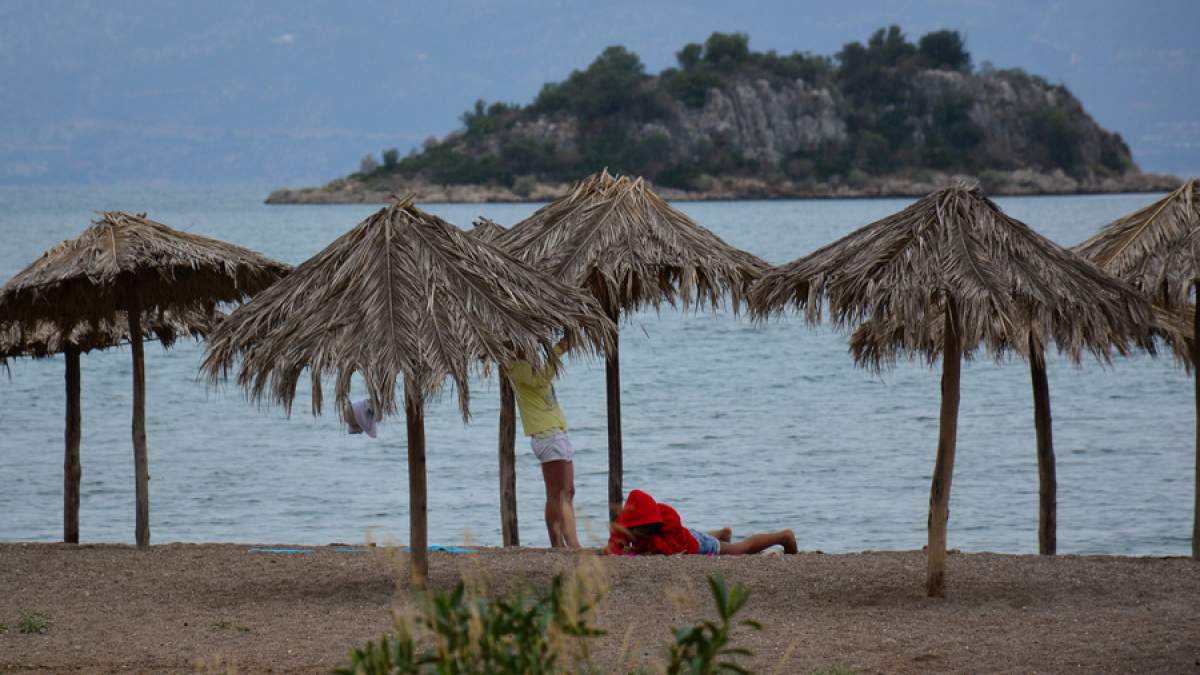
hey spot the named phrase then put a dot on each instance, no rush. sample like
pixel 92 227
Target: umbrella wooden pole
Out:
pixel 943 470
pixel 72 472
pixel 508 462
pixel 1047 480
pixel 418 539
pixel 141 469
pixel 612 371
pixel 1195 349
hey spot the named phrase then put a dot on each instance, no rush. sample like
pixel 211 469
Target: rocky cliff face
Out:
pixel 767 124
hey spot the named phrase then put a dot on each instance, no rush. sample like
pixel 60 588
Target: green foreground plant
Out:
pixel 704 648
pixel 488 635
pixel 33 621
pixel 549 634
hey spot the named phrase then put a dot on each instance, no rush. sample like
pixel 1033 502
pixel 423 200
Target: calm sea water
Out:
pixel 756 427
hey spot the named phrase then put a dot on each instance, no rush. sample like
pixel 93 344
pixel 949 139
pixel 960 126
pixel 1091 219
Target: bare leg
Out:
pixel 723 534
pixel 759 542
pixel 560 508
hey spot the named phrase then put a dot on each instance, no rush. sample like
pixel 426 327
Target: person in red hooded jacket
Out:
pixel 649 527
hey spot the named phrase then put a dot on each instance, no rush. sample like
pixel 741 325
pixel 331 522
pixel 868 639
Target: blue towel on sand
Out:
pixel 447 549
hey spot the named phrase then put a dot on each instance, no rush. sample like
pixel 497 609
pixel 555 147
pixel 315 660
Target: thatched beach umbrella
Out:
pixel 402 295
pixel 954 258
pixel 619 240
pixel 1157 250
pixel 46 340
pixel 487 230
pixel 127 264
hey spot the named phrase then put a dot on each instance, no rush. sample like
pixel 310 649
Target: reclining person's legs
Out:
pixel 756 543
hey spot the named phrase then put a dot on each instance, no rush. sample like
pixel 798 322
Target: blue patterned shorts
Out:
pixel 708 543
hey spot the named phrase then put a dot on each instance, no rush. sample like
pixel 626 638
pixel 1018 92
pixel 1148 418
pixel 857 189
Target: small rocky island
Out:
pixel 886 118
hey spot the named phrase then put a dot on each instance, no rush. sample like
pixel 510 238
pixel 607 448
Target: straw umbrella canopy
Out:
pixel 487 230
pixel 619 240
pixel 956 259
pixel 46 340
pixel 402 295
pixel 1157 250
pixel 122 266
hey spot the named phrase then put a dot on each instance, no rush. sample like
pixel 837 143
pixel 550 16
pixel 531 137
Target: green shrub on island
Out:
pixel 549 634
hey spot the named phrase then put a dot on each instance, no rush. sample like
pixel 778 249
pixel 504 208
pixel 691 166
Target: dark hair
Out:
pixel 647 530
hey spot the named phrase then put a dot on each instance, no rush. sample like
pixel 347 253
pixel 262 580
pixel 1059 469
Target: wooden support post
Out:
pixel 72 471
pixel 1047 479
pixel 1195 348
pixel 418 538
pixel 943 470
pixel 141 469
pixel 612 371
pixel 508 461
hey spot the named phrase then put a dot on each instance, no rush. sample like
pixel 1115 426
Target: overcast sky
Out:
pixel 294 93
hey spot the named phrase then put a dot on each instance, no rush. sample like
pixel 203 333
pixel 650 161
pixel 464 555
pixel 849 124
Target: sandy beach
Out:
pixel 221 607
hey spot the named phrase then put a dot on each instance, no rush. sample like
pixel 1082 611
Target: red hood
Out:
pixel 640 509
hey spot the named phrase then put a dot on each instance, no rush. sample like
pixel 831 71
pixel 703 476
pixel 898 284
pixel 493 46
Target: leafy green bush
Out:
pixel 608 85
pixel 33 621
pixel 1062 141
pixel 518 635
pixel 485 635
pixel 944 49
pixel 703 648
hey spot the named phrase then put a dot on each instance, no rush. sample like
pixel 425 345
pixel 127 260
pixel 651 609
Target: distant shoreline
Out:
pixel 997 184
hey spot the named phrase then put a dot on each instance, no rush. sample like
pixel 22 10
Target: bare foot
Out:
pixel 789 542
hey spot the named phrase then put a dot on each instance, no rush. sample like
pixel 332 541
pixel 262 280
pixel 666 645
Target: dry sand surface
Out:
pixel 180 607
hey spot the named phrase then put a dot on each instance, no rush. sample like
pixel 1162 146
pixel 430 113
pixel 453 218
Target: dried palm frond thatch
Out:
pixel 943 277
pixel 1005 279
pixel 1157 250
pixel 94 275
pixel 46 339
pixel 486 230
pixel 615 237
pixel 127 264
pixel 402 295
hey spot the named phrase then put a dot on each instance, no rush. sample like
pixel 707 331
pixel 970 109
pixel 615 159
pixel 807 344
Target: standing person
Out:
pixel 544 422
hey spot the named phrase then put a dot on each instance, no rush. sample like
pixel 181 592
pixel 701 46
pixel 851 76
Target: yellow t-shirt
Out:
pixel 536 399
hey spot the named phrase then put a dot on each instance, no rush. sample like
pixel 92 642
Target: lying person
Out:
pixel 649 527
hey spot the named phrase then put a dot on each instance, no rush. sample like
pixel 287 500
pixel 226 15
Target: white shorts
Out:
pixel 552 446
